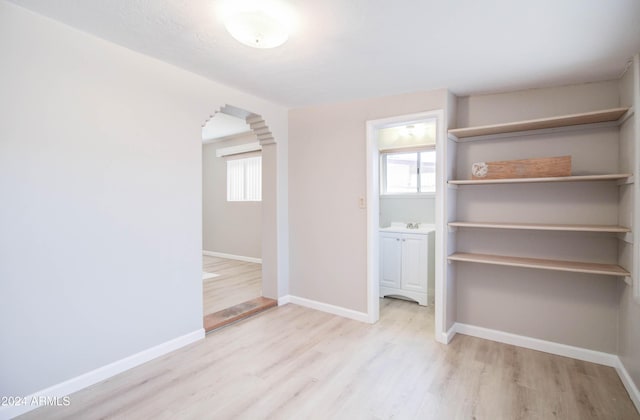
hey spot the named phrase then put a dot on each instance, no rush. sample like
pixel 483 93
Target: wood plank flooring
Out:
pixel 239 282
pixel 296 363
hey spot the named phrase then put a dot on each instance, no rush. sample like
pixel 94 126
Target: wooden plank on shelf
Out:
pixel 607 115
pixel 578 178
pixel 543 226
pixel 557 166
pixel 543 264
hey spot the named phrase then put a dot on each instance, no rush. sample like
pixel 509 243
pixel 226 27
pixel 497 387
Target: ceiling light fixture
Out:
pixel 258 24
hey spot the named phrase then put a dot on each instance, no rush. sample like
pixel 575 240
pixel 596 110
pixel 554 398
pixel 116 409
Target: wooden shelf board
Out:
pixel 578 178
pixel 542 226
pixel 607 115
pixel 544 264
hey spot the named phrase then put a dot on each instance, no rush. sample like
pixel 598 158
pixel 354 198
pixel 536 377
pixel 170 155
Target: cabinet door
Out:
pixel 415 262
pixel 390 260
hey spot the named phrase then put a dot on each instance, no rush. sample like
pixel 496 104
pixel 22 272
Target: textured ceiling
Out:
pixel 347 49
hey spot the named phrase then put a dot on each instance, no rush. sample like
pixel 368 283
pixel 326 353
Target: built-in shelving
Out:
pixel 543 264
pixel 603 116
pixel 578 178
pixel 514 131
pixel 542 226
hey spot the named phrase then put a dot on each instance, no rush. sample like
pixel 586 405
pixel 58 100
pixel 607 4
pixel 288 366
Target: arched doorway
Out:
pixel 268 222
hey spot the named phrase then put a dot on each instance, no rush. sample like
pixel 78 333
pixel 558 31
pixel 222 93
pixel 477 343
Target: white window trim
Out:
pixel 409 195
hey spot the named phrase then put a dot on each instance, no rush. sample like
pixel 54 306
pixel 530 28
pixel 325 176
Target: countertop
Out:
pixel 397 227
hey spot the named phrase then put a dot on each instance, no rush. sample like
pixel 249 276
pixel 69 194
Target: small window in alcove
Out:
pixel 244 179
pixel 408 172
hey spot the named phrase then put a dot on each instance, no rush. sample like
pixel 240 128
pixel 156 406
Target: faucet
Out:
pixel 415 225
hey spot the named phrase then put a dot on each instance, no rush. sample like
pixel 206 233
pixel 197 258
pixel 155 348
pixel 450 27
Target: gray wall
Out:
pixel 407 209
pixel 535 103
pixel 230 227
pixel 327 175
pixel 573 309
pixel 100 181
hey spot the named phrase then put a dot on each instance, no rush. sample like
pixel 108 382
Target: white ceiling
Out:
pixel 347 49
pixel 223 125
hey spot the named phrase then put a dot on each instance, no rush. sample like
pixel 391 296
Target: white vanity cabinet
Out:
pixel 404 265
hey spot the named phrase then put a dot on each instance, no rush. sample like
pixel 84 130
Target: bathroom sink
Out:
pixel 398 227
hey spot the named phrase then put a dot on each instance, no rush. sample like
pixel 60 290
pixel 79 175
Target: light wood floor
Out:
pixel 297 363
pixel 239 282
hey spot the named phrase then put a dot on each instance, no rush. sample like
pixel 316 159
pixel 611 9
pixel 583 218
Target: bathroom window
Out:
pixel 408 172
pixel 244 179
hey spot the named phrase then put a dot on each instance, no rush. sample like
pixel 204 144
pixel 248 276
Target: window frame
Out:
pixel 383 172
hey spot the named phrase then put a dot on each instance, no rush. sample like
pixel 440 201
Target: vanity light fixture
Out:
pixel 410 130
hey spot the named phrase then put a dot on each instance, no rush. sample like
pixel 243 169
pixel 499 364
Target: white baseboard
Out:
pixel 232 257
pixel 93 377
pixel 284 300
pixel 448 336
pixel 628 383
pixel 565 350
pixel 325 307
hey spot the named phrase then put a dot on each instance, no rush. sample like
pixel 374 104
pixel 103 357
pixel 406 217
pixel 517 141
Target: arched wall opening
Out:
pixel 269 194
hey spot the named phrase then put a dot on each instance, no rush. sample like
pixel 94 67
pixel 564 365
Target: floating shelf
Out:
pixel 578 178
pixel 543 264
pixel 607 115
pixel 541 226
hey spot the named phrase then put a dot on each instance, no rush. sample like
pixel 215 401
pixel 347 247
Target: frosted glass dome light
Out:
pixel 257 29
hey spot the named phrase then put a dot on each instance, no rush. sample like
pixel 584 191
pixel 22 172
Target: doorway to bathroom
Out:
pixel 404 212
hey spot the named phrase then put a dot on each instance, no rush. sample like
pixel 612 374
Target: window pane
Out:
pixel 428 171
pixel 235 181
pixel 402 173
pixel 253 179
pixel 244 179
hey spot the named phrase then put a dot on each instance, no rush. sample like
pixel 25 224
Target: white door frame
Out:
pixel 373 214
